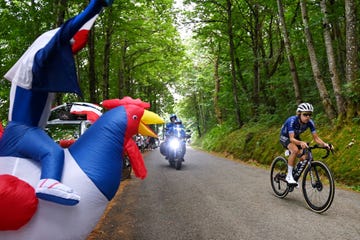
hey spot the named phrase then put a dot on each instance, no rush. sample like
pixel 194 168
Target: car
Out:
pixel 70 120
pixel 66 129
pixel 76 111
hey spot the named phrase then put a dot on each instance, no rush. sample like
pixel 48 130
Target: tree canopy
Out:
pixel 248 61
pixel 134 49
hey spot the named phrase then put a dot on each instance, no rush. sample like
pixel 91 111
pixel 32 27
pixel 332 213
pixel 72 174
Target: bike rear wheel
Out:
pixel 277 177
pixel 318 187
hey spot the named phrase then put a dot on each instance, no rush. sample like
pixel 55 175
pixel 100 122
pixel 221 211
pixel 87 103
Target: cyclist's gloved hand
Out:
pixel 107 3
pixel 328 146
pixel 303 145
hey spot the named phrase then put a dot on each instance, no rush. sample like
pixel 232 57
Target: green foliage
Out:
pixel 213 139
pixel 346 163
pixel 145 56
pixel 4 99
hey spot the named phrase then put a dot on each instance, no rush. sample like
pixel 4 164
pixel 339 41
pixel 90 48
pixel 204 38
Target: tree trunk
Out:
pixel 200 118
pixel 232 64
pixel 290 56
pixel 240 78
pixel 121 72
pixel 337 28
pixel 105 87
pixel 92 74
pixel 60 5
pixel 256 64
pixel 340 103
pixel 329 109
pixel 351 71
pixel 107 46
pixel 218 112
pixel 197 114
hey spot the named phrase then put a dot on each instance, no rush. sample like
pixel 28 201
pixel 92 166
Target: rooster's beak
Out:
pixel 147 119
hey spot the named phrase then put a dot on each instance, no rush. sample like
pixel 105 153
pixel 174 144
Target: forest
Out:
pixel 243 65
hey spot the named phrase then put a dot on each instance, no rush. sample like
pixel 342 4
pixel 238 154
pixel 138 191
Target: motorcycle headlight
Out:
pixel 174 143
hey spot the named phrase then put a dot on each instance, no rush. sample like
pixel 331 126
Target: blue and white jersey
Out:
pixel 293 125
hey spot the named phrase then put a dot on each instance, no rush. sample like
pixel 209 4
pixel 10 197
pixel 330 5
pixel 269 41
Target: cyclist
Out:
pixel 290 136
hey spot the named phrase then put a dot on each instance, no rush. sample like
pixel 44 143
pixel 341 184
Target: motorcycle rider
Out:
pixel 177 124
pixel 177 130
pixel 168 129
pixel 171 124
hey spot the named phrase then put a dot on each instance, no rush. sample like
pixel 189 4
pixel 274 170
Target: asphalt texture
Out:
pixel 216 198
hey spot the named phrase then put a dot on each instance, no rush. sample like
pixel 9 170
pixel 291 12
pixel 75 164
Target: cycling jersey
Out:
pixel 293 125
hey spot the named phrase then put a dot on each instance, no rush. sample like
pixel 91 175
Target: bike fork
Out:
pixel 315 180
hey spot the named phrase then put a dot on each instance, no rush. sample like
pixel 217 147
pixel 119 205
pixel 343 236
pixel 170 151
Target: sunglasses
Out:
pixel 307 114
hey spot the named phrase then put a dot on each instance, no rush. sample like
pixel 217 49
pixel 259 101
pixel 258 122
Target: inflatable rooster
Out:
pixel 47 192
pixel 47 67
pixel 92 166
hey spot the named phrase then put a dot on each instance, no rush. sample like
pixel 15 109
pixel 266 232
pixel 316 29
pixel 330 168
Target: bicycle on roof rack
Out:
pixel 317 183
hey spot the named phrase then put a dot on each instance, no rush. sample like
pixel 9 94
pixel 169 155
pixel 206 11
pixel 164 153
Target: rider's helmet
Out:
pixel 173 116
pixel 305 107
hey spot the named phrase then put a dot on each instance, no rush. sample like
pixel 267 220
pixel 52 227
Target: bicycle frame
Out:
pixel 318 185
pixel 308 160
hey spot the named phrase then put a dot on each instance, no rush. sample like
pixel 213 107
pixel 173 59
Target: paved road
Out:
pixel 216 198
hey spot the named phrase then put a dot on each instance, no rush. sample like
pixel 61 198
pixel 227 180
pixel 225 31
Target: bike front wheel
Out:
pixel 278 175
pixel 318 187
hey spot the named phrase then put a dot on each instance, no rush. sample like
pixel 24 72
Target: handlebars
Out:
pixel 328 150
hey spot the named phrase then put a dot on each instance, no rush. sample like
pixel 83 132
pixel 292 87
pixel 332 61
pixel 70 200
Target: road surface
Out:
pixel 216 198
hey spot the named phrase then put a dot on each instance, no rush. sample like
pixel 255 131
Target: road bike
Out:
pixel 318 185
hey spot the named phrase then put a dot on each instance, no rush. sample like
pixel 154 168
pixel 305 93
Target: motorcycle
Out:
pixel 174 148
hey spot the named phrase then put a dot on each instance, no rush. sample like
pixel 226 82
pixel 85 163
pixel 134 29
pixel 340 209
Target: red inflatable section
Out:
pixel 113 103
pixel 1 130
pixel 18 202
pixel 136 159
pixel 65 143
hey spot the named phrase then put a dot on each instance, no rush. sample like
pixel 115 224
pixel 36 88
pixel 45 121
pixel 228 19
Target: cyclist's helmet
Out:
pixel 305 107
pixel 173 116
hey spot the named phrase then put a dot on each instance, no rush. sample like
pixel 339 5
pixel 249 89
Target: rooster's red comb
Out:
pixel 112 103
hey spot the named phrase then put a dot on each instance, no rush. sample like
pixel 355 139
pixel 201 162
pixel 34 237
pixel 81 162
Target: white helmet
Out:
pixel 305 107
